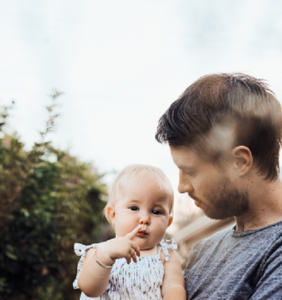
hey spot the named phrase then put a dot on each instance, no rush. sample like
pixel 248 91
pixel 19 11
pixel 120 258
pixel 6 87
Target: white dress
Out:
pixel 141 280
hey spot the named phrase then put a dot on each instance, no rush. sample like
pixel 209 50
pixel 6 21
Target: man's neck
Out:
pixel 265 206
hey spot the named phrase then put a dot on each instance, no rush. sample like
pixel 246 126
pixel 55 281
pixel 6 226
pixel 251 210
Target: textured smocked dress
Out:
pixel 141 280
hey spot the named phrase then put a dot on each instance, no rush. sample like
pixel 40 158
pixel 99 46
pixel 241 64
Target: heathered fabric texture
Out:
pixel 233 265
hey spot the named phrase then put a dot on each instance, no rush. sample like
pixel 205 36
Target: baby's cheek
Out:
pixel 162 226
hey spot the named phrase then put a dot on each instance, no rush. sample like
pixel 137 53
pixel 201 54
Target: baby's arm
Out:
pixel 173 285
pixel 93 279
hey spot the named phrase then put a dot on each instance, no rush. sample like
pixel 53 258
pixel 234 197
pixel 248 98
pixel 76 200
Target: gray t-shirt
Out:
pixel 237 265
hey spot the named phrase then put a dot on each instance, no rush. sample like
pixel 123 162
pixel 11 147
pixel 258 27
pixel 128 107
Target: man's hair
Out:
pixel 220 111
pixel 140 172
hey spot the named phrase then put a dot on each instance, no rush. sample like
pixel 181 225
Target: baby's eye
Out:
pixel 133 208
pixel 156 212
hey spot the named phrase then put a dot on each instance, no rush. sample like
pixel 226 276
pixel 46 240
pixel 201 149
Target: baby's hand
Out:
pixel 122 247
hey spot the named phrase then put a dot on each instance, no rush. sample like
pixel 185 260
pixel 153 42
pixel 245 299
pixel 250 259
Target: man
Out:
pixel 225 133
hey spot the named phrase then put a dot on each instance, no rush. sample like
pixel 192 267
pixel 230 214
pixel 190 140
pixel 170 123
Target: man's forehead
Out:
pixel 184 155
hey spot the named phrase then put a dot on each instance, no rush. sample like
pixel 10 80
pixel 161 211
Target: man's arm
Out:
pixel 270 284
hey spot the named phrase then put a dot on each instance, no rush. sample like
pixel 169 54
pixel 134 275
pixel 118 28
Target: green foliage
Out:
pixel 51 200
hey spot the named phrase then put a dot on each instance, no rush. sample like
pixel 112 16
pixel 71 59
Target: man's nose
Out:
pixel 145 219
pixel 184 185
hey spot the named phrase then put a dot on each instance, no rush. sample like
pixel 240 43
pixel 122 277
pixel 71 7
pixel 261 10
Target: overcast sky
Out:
pixel 121 64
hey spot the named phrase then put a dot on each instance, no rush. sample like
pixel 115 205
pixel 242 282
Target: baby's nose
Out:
pixel 145 219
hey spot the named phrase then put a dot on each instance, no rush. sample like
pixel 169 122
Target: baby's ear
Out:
pixel 111 214
pixel 170 220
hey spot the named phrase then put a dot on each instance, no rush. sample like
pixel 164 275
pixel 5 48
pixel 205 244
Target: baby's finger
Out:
pixel 136 248
pixel 128 258
pixel 133 255
pixel 132 234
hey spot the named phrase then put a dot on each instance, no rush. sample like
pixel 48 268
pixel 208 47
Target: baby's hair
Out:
pixel 139 171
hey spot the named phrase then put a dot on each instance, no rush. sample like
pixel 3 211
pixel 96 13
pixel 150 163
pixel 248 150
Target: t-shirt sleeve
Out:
pixel 80 250
pixel 269 285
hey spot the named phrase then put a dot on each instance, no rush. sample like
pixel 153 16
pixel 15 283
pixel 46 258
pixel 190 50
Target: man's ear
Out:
pixel 170 220
pixel 111 214
pixel 243 159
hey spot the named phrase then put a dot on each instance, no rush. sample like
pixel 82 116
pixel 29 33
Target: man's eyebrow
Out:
pixel 185 167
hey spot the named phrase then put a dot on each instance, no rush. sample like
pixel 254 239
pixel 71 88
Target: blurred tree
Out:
pixel 14 168
pixel 51 200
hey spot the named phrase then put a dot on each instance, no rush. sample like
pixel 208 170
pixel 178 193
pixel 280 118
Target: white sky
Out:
pixel 121 64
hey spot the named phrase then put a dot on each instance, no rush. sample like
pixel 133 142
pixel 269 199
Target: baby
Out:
pixel 137 264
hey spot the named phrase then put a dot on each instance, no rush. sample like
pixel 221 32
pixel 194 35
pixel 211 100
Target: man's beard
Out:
pixel 226 202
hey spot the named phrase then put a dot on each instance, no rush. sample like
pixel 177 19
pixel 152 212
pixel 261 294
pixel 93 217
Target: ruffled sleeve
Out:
pixel 167 245
pixel 80 250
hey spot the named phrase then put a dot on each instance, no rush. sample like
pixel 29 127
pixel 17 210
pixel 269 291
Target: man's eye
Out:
pixel 156 212
pixel 133 208
pixel 190 174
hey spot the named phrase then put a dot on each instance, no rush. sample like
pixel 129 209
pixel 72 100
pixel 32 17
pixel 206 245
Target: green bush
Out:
pixel 51 200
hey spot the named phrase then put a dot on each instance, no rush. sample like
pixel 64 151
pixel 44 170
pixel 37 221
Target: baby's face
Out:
pixel 142 202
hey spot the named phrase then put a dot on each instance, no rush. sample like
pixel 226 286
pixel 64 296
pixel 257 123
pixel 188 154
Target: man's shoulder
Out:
pixel 251 259
pixel 216 237
pixel 222 233
pixel 270 236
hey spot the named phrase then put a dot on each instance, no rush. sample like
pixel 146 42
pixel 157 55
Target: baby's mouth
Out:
pixel 142 233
